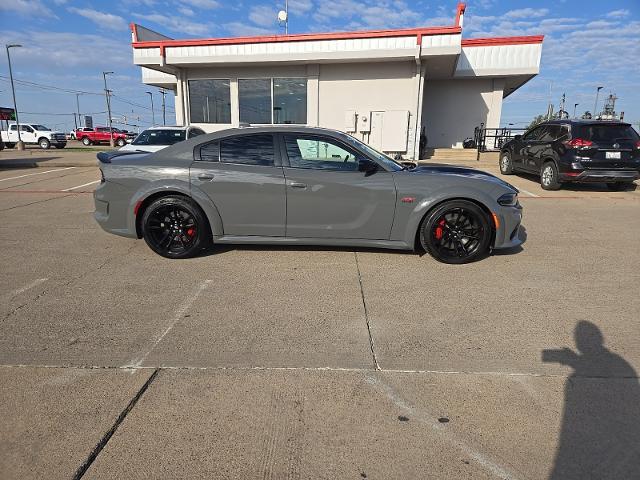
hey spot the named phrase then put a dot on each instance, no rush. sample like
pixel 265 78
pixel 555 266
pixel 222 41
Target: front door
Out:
pixel 243 177
pixel 327 197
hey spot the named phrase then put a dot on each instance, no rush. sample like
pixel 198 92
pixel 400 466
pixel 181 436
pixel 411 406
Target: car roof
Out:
pixel 169 127
pixel 584 121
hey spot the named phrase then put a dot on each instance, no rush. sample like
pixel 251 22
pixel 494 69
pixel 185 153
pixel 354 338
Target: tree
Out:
pixel 538 119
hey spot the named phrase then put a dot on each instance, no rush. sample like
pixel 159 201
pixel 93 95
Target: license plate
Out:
pixel 612 155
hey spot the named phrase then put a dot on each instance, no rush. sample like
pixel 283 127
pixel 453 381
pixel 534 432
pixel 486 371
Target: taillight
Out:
pixel 579 142
pixel 638 145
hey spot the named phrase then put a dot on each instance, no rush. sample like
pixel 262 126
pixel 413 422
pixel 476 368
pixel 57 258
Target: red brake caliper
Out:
pixel 438 232
pixel 191 231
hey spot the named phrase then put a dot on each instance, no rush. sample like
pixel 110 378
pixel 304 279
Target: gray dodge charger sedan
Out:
pixel 301 186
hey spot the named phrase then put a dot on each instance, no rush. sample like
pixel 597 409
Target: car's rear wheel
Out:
pixel 175 227
pixel 457 231
pixel 86 141
pixel 620 186
pixel 506 167
pixel 121 142
pixel 549 177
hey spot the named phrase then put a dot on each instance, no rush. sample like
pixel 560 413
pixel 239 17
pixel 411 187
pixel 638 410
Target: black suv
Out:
pixel 576 151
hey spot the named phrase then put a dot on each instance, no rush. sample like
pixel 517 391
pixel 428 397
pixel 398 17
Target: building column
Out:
pixel 495 106
pixel 179 101
pixel 235 102
pixel 413 148
pixel 313 95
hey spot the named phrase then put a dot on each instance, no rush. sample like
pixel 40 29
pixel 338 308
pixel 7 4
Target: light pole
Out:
pixel 164 118
pixel 575 105
pixel 153 115
pixel 106 94
pixel 78 107
pixel 595 105
pixel 20 144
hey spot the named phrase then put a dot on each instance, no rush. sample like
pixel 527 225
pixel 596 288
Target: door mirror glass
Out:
pixel 367 166
pixel 517 137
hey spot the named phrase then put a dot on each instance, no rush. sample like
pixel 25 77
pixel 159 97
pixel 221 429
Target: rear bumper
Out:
pixel 602 176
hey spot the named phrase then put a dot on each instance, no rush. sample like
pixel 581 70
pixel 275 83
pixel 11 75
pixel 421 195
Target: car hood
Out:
pixel 455 170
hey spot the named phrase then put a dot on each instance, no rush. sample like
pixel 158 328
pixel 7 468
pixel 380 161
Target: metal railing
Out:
pixel 492 139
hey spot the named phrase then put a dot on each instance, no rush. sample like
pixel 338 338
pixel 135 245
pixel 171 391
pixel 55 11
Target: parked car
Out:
pixel 33 134
pixel 562 151
pixel 302 186
pixel 157 138
pixel 72 134
pixel 100 135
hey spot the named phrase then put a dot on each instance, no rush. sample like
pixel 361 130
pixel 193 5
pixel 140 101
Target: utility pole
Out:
pixel 153 115
pixel 106 94
pixel 575 105
pixel 20 144
pixel 595 105
pixel 164 119
pixel 78 108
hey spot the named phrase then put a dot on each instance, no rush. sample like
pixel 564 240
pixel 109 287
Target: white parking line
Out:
pixel 39 173
pixel 28 286
pixel 80 186
pixel 529 193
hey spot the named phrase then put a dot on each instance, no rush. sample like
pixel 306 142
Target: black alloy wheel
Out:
pixel 175 227
pixel 456 232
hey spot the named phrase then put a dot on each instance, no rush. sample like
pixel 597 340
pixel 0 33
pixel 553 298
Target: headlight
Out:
pixel 508 199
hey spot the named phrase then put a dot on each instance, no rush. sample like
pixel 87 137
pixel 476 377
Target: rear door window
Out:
pixel 533 134
pixel 549 133
pixel 248 150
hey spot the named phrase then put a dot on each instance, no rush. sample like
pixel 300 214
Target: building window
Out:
pixel 273 100
pixel 210 101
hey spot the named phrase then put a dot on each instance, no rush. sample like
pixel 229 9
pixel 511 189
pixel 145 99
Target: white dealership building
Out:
pixel 386 87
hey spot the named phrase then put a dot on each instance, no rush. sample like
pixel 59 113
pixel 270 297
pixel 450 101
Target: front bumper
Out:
pixel 510 233
pixel 602 176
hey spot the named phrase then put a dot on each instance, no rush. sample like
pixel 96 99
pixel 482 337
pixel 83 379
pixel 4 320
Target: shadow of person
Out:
pixel 600 433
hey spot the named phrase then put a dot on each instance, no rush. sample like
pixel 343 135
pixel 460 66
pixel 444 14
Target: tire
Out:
pixel 506 166
pixel 121 142
pixel 86 141
pixel 44 143
pixel 175 227
pixel 620 186
pixel 549 177
pixel 456 232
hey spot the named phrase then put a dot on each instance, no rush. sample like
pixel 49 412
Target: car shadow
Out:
pixel 217 249
pixel 600 431
pixel 572 187
pixel 12 163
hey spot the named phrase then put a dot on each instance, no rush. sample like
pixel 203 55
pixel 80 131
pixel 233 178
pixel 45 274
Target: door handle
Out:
pixel 297 185
pixel 206 177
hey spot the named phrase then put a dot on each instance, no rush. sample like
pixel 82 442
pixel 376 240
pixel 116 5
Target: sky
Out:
pixel 67 44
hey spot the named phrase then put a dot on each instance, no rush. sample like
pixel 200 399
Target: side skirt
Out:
pixel 327 242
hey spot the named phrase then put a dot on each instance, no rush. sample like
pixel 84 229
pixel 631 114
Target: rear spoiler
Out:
pixel 106 157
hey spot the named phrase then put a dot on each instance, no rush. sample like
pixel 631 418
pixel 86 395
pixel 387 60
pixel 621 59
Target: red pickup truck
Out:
pixel 100 135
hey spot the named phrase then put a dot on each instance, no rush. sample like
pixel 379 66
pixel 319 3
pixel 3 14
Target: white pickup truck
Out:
pixel 32 133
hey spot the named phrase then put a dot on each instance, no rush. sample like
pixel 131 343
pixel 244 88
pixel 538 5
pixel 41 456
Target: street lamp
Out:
pixel 106 94
pixel 20 144
pixel 78 107
pixel 153 115
pixel 595 105
pixel 575 105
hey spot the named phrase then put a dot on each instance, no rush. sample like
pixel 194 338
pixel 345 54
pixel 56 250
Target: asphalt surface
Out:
pixel 295 362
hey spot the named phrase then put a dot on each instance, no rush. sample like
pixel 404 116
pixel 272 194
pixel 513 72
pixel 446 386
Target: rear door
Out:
pixel 243 177
pixel 529 146
pixel 613 145
pixel 27 134
pixel 542 146
pixel 328 197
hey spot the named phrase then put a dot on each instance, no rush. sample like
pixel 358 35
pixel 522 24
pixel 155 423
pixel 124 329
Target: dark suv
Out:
pixel 576 151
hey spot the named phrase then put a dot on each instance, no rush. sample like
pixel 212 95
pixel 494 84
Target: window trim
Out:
pixel 287 163
pixel 230 80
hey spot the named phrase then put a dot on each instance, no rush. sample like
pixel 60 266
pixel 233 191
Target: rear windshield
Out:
pixel 607 133
pixel 159 137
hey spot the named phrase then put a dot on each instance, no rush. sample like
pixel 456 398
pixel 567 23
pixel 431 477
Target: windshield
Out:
pixel 159 137
pixel 41 128
pixel 387 161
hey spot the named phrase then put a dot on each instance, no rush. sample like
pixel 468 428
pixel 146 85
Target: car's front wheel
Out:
pixel 457 231
pixel 175 227
pixel 506 166
pixel 44 143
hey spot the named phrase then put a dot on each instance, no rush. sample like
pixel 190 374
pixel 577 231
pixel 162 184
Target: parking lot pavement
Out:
pixel 267 355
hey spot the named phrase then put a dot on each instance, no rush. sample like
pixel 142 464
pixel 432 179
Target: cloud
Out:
pixel 619 13
pixel 242 29
pixel 526 13
pixel 106 20
pixel 300 7
pixel 368 13
pixel 263 15
pixel 186 11
pixel 175 24
pixel 204 4
pixel 26 7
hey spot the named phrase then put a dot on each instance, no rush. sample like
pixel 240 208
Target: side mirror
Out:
pixel 367 166
pixel 517 137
